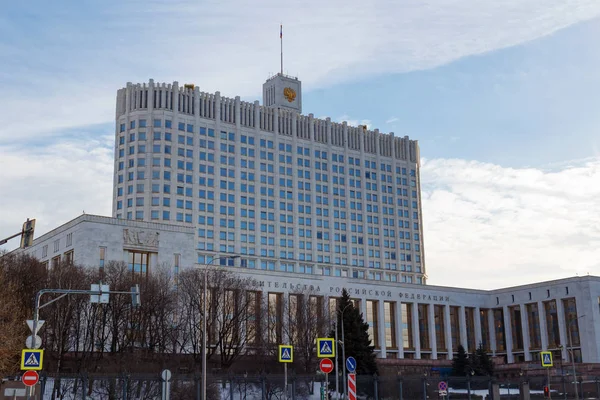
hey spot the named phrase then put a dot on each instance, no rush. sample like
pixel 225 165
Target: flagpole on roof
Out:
pixel 281 44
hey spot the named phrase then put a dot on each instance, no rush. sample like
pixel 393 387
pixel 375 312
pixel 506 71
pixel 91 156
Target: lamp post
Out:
pixel 204 318
pixel 573 354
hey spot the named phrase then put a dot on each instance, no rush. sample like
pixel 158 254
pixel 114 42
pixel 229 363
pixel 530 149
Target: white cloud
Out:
pixel 54 183
pixel 69 75
pixel 391 120
pixel 487 226
pixel 355 122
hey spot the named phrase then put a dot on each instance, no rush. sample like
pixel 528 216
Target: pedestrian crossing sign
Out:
pixel 286 353
pixel 546 358
pixel 32 359
pixel 325 348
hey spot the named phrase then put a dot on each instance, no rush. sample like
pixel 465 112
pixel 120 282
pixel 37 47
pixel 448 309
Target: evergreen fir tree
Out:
pixel 356 337
pixel 460 362
pixel 482 362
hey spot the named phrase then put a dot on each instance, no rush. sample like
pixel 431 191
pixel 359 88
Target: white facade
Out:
pixel 286 191
pixel 408 321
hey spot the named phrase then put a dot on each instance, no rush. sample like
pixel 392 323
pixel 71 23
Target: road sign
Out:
pixel 166 375
pixel 351 386
pixel 32 359
pixel 326 365
pixel 286 353
pixel 33 342
pixel 442 386
pixel 30 378
pixel 325 347
pixel 351 364
pixel 546 357
pixel 38 326
pixel 100 298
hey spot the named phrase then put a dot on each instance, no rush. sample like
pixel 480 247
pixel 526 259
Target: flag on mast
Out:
pixel 281 31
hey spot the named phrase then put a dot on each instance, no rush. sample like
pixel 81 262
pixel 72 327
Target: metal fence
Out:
pixel 306 387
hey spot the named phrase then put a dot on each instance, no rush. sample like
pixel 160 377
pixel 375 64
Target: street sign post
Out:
pixel 286 355
pixel 166 384
pixel 351 364
pixel 325 347
pixel 32 359
pixel 326 366
pixel 30 378
pixel 351 386
pixel 546 358
pixel 443 388
pixel 33 342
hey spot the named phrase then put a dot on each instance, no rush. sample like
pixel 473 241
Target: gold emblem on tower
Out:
pixel 289 94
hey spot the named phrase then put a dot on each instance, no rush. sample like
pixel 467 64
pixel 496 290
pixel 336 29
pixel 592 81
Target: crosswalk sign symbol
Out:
pixel 546 358
pixel 325 348
pixel 32 359
pixel 286 353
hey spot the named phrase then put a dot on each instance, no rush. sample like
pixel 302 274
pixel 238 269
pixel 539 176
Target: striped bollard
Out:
pixel 351 386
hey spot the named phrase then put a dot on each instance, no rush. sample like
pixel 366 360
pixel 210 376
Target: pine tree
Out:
pixel 482 363
pixel 356 337
pixel 460 362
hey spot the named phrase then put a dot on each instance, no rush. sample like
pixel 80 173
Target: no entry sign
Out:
pixel 30 378
pixel 326 365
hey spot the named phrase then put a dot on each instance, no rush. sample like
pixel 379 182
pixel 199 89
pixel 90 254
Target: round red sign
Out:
pixel 30 378
pixel 326 365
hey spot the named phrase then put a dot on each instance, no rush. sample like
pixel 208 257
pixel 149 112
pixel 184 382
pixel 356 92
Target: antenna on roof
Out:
pixel 281 44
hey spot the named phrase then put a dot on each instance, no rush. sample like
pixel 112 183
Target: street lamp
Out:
pixel 204 318
pixel 573 354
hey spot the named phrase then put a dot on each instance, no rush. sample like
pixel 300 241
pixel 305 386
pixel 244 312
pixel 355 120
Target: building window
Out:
pixel 407 333
pixel 390 324
pixel 69 257
pixel 56 245
pixel 55 262
pixel 485 329
pixel 533 321
pixel 470 317
pixel 45 251
pixel 424 326
pixel 274 321
pixel 454 326
pixel 440 334
pixel 372 320
pixel 138 263
pixel 552 324
pixel 69 239
pixel 102 260
pixel 572 324
pixel 499 329
pixel 516 327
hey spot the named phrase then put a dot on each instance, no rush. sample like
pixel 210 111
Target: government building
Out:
pixel 306 203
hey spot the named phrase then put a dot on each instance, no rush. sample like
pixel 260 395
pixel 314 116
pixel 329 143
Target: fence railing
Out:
pixel 307 387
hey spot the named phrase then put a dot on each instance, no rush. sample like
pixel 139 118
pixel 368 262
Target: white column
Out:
pixel 398 326
pixel 477 324
pixel 431 326
pixel 562 329
pixel 448 330
pixel 543 325
pixel 525 332
pixel 415 330
pixel 508 335
pixel 492 329
pixel 463 328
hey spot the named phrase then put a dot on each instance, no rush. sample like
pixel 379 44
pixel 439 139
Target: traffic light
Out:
pixel 546 392
pixel 27 233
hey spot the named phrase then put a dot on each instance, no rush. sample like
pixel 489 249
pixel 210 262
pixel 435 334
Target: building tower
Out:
pixel 286 191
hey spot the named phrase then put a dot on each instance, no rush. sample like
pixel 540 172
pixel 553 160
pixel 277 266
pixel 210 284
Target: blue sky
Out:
pixel 503 98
